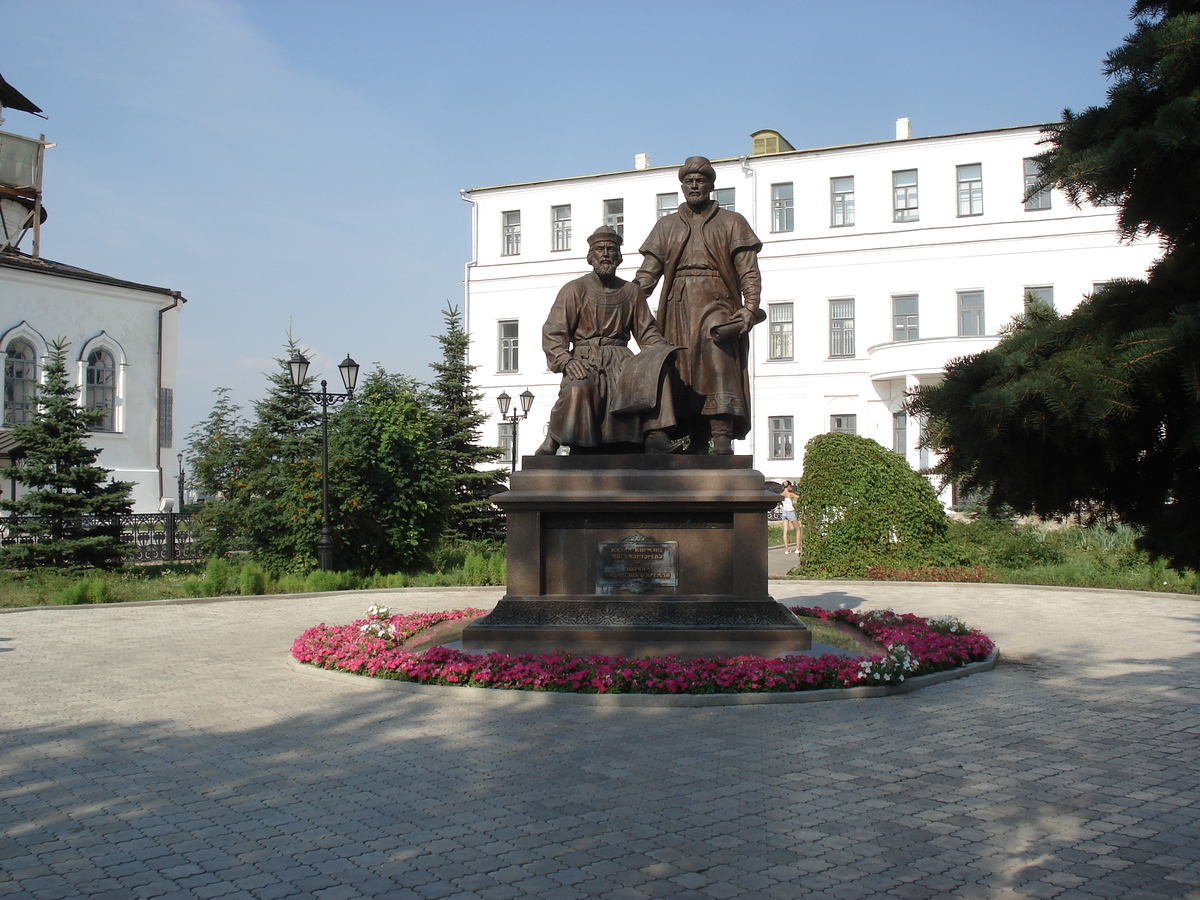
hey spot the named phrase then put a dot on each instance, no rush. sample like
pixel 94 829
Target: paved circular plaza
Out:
pixel 167 750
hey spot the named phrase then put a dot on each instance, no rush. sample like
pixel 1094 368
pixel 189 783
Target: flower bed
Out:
pixel 374 647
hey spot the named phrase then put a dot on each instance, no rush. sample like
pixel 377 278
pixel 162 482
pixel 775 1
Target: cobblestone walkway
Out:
pixel 166 750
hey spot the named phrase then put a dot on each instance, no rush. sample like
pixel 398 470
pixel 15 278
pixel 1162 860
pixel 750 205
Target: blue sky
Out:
pixel 297 163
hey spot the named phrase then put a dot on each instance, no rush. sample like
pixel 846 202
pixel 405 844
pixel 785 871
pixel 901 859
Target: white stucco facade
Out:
pixel 133 325
pixel 897 257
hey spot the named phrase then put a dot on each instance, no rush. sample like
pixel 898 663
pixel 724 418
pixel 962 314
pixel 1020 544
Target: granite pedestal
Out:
pixel 638 555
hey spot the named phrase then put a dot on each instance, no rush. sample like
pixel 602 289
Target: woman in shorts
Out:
pixel 788 515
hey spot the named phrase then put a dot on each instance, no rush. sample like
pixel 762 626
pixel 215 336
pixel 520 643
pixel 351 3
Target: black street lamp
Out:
pixel 179 459
pixel 512 419
pixel 298 367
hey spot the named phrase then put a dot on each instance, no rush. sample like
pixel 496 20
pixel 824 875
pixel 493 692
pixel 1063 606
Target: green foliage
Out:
pixel 469 514
pixel 388 476
pixel 252 580
pixel 66 483
pixel 1102 406
pixel 216 454
pixel 86 590
pixel 219 579
pixel 861 505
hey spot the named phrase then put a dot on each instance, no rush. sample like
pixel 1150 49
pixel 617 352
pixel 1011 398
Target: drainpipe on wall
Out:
pixel 748 171
pixel 464 194
pixel 178 299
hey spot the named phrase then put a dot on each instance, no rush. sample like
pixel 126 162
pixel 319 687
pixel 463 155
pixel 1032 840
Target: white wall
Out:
pixel 80 311
pixel 1000 252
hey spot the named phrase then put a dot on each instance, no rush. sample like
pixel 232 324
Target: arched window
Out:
pixel 102 387
pixel 20 379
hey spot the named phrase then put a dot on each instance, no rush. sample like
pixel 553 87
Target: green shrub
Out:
pixel 252 579
pixel 86 590
pixel 860 506
pixel 216 581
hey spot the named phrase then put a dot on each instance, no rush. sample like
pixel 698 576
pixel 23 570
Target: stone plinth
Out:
pixel 639 556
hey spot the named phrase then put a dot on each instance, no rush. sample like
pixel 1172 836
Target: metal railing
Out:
pixel 157 537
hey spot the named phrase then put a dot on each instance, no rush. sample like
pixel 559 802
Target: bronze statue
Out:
pixel 707 258
pixel 586 338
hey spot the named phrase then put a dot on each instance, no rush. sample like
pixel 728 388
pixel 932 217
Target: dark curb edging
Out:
pixel 445 691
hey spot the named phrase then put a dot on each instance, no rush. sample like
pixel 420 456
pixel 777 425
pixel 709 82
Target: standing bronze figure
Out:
pixel 586 338
pixel 707 258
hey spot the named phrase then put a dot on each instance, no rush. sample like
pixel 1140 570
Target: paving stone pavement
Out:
pixel 166 750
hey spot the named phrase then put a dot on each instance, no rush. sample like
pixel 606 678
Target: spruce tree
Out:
pixel 1101 407
pixel 74 505
pixel 216 459
pixel 455 402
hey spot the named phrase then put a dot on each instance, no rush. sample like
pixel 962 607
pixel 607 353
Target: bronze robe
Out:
pixel 593 324
pixel 708 263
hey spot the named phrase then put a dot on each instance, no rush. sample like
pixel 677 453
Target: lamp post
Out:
pixel 179 459
pixel 513 418
pixel 298 367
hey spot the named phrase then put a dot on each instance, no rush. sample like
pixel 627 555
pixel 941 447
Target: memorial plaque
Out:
pixel 636 565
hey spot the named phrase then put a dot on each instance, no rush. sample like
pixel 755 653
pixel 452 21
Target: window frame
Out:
pixel 910 209
pixel 841 202
pixel 510 232
pixel 614 216
pixel 1041 199
pixel 560 228
pixel 970 190
pixel 781 338
pixel 26 403
pixel 781 437
pixel 730 198
pixel 843 423
pixel 783 208
pixel 100 387
pixel 840 335
pixel 912 327
pixel 664 210
pixel 900 433
pixel 970 316
pixel 1038 290
pixel 508 346
pixel 506 441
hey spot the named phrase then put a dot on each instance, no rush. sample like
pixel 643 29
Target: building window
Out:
pixel 614 215
pixel 560 227
pixel 970 190
pixel 904 317
pixel 970 313
pixel 1043 294
pixel 507 356
pixel 900 433
pixel 667 204
pixel 512 233
pixel 1035 199
pixel 843 424
pixel 20 381
pixel 841 327
pixel 781 437
pixel 166 417
pixel 841 194
pixel 780 316
pixel 904 196
pixel 781 207
pixel 508 449
pixel 101 388
pixel 725 198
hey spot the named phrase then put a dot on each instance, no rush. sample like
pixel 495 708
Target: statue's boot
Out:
pixel 548 448
pixel 658 442
pixel 722 435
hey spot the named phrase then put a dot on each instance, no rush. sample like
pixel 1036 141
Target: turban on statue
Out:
pixel 697 164
pixel 604 233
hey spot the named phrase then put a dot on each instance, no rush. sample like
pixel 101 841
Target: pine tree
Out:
pixel 74 503
pixel 470 513
pixel 1101 407
pixel 216 459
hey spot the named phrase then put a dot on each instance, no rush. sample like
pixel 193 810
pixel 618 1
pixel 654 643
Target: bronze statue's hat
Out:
pixel 697 164
pixel 604 233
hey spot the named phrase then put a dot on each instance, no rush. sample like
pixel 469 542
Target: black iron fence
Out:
pixel 157 537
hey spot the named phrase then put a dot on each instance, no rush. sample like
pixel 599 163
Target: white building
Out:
pixel 122 338
pixel 881 262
